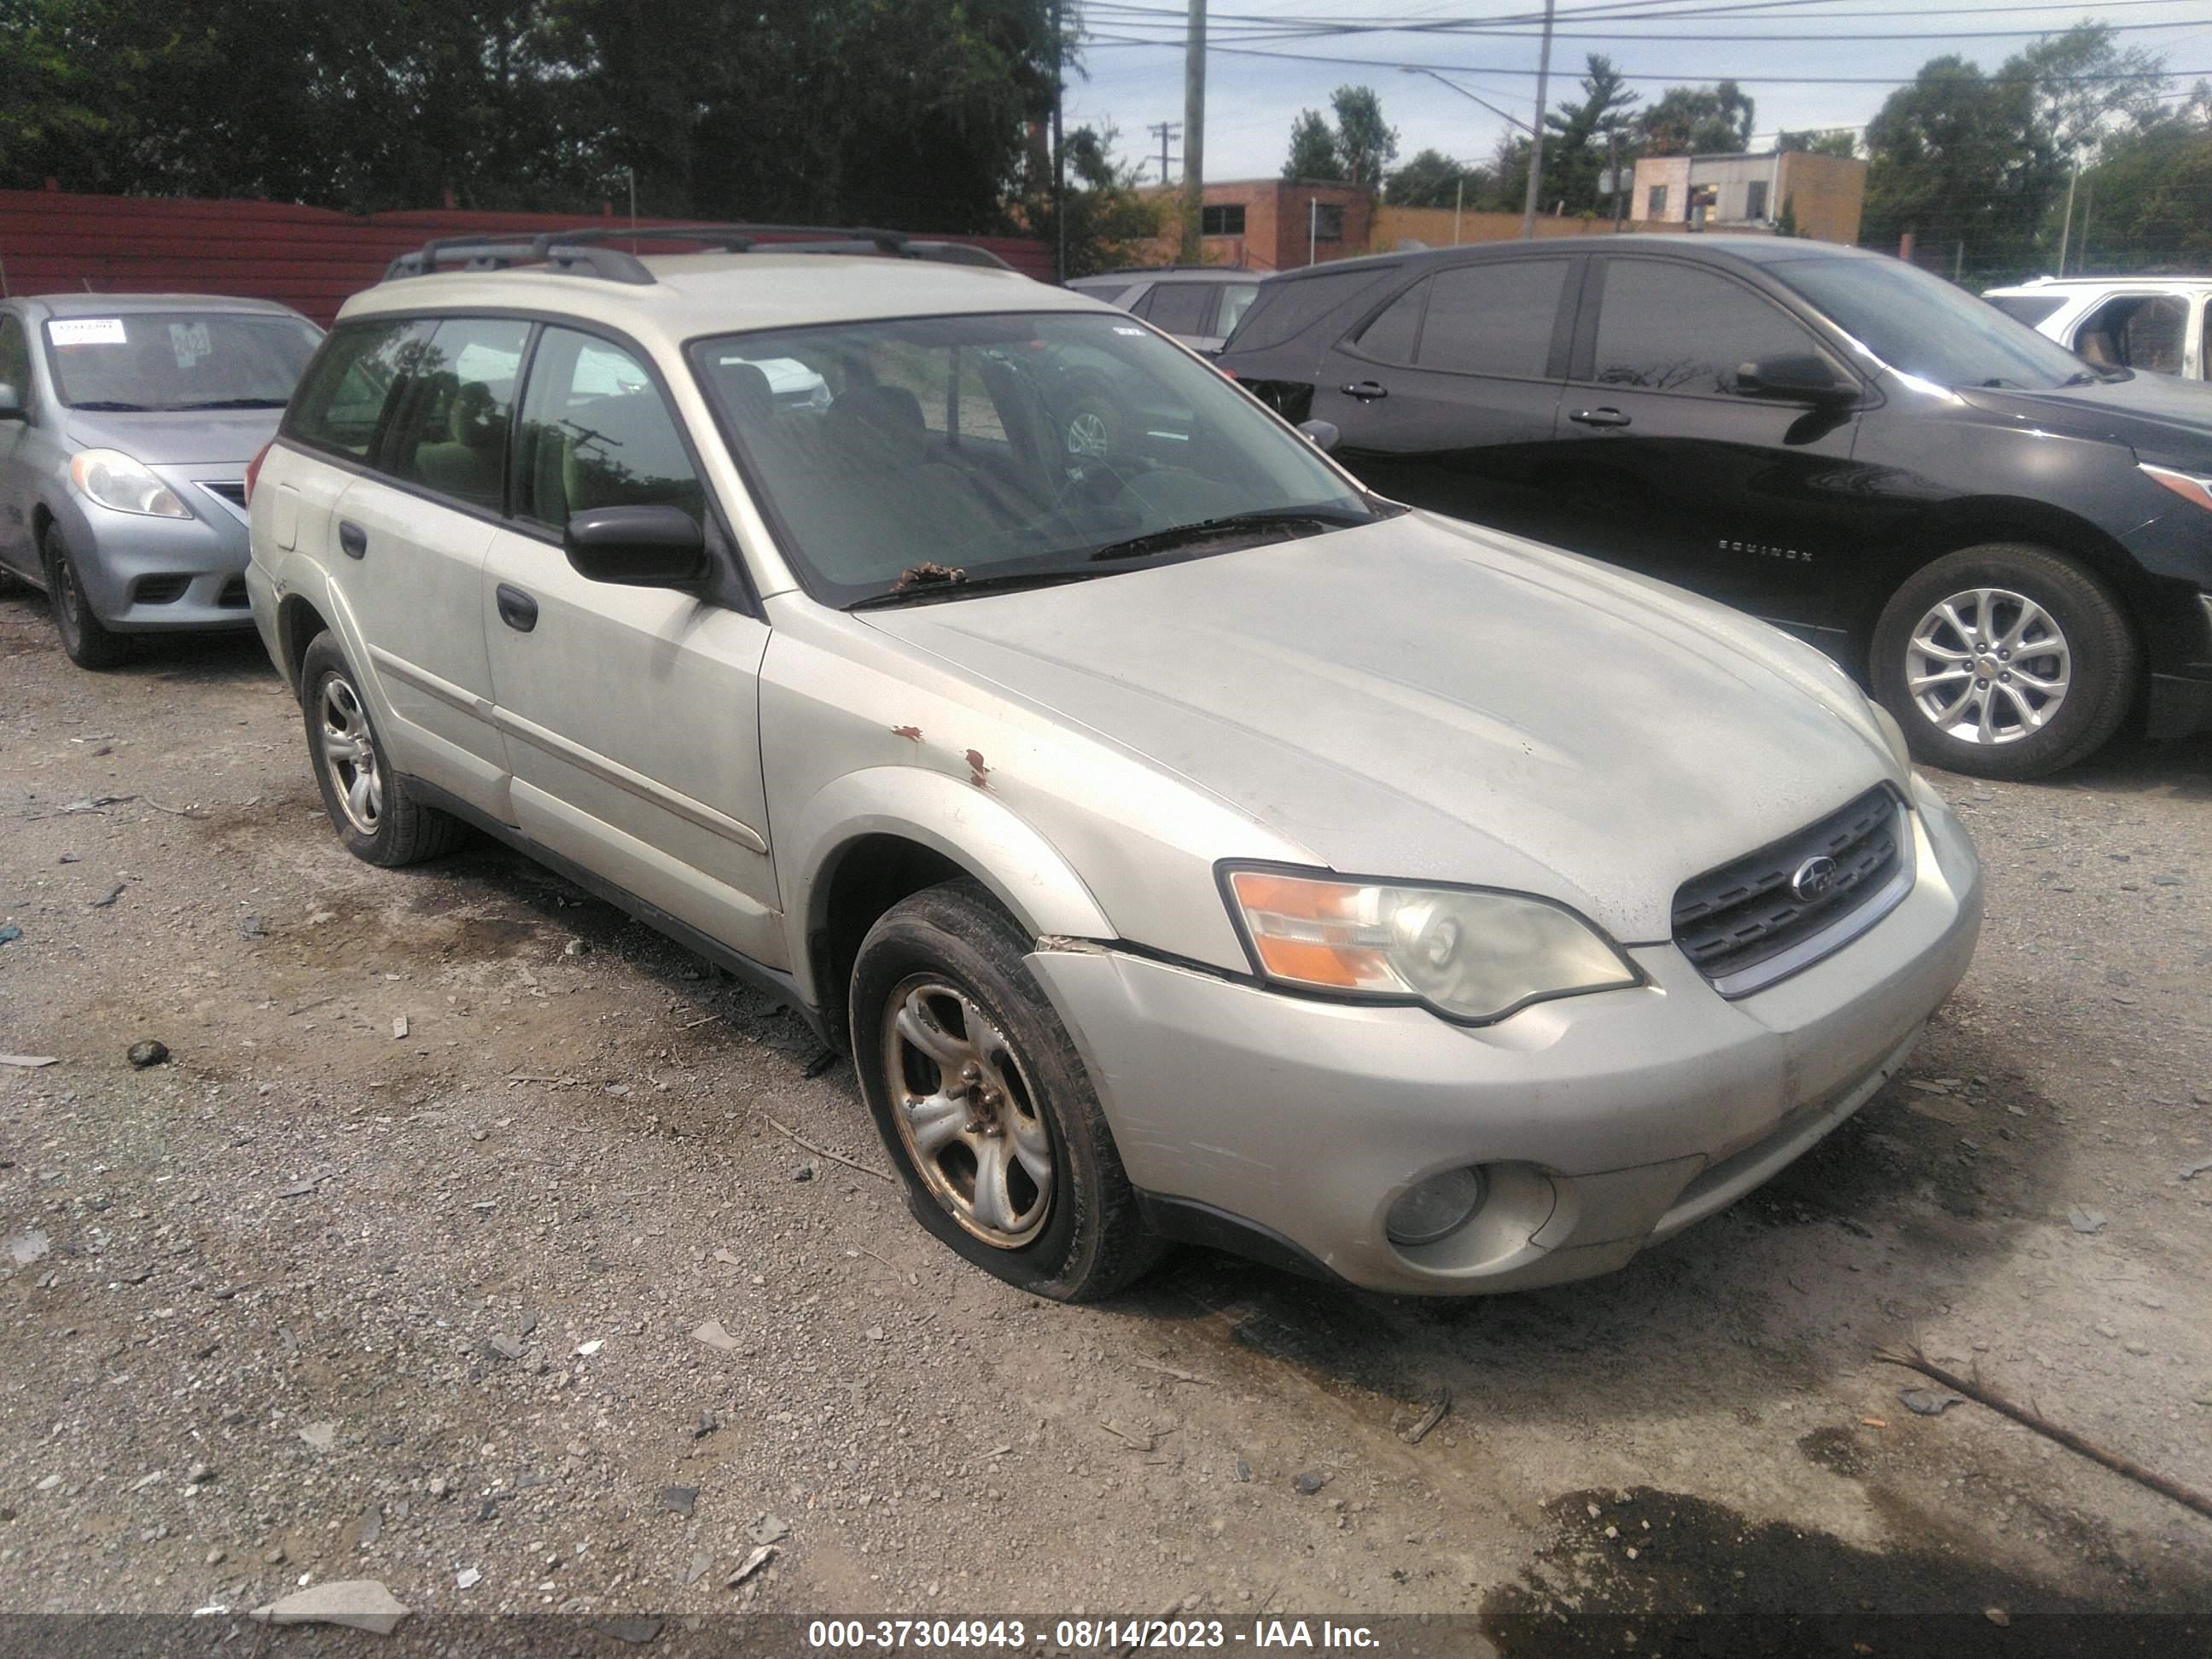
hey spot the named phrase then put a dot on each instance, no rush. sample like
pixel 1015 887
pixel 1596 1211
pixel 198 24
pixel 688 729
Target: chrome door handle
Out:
pixel 1599 417
pixel 1366 391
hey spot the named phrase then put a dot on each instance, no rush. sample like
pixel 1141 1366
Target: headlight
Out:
pixel 1468 954
pixel 113 479
pixel 2187 485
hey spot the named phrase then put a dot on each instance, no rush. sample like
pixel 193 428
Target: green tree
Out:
pixel 1580 135
pixel 1814 142
pixel 1357 148
pixel 1313 148
pixel 1110 223
pixel 1697 121
pixel 2143 204
pixel 1433 179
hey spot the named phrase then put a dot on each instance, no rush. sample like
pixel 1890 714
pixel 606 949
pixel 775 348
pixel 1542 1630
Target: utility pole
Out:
pixel 1612 165
pixel 1167 132
pixel 1459 206
pixel 2066 231
pixel 1059 159
pixel 1536 130
pixel 1193 133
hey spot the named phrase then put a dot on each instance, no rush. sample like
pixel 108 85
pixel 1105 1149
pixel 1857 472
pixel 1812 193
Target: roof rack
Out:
pixel 585 251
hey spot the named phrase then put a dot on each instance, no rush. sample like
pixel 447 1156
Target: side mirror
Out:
pixel 1804 377
pixel 636 546
pixel 1322 435
pixel 11 402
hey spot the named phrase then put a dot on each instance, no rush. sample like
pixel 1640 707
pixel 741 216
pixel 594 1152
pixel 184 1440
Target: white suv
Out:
pixel 2154 323
pixel 1183 842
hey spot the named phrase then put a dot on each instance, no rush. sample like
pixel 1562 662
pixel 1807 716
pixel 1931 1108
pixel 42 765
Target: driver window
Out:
pixel 1670 327
pixel 596 433
pixel 2136 331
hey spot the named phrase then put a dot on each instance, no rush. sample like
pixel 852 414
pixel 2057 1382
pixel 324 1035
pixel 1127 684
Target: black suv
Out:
pixel 2015 548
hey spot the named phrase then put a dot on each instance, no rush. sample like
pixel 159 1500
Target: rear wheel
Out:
pixel 370 805
pixel 2005 660
pixel 984 1103
pixel 88 642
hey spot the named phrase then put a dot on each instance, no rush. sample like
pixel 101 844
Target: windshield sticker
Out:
pixel 1123 328
pixel 190 342
pixel 87 330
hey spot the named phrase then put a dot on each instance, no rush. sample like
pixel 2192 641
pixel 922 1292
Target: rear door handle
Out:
pixel 1599 417
pixel 353 540
pixel 517 608
pixel 1367 391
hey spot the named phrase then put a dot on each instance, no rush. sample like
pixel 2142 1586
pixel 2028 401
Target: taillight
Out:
pixel 1225 373
pixel 253 469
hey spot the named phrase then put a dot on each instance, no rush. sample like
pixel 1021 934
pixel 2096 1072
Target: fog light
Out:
pixel 1436 1208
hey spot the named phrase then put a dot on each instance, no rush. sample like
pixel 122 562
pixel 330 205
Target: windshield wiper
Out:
pixel 918 592
pixel 234 402
pixel 1163 541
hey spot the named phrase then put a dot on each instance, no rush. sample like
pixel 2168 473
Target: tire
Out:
pixel 1058 1218
pixel 1987 703
pixel 88 642
pixel 370 804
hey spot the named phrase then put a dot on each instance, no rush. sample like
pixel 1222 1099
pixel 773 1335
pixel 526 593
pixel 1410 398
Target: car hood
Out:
pixel 199 437
pixel 1420 699
pixel 2158 416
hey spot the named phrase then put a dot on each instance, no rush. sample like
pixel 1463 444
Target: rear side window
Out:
pixel 1391 337
pixel 2147 331
pixel 1111 293
pixel 1669 327
pixel 1494 319
pixel 361 370
pixel 1285 309
pixel 1180 307
pixel 2029 308
pixel 596 433
pixel 450 434
pixel 1235 300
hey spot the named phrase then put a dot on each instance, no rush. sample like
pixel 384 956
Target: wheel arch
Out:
pixel 298 622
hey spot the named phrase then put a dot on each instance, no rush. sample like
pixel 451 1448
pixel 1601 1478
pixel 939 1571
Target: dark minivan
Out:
pixel 2014 548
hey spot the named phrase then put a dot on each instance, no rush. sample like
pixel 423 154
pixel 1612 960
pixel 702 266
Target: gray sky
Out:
pixel 1251 100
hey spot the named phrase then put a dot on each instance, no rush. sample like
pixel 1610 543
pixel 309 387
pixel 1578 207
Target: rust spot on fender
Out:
pixel 977 771
pixel 911 733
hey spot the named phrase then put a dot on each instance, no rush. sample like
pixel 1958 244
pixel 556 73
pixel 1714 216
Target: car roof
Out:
pixel 696 294
pixel 2093 284
pixel 1708 247
pixel 126 305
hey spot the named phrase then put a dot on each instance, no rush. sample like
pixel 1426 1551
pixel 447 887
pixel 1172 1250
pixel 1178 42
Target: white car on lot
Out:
pixel 2154 323
pixel 1184 842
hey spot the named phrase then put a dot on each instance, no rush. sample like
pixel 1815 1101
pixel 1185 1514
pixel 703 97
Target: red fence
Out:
pixel 309 258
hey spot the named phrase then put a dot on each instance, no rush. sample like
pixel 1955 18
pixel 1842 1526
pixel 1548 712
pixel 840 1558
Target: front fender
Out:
pixel 1023 871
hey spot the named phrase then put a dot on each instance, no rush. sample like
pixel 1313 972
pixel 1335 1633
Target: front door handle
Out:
pixel 353 540
pixel 1599 417
pixel 1367 391
pixel 517 608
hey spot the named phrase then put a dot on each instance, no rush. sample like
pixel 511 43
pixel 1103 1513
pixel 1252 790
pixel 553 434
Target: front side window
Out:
pixel 1494 319
pixel 360 374
pixel 15 356
pixel 596 432
pixel 178 359
pixel 950 454
pixel 2136 331
pixel 1920 324
pixel 450 433
pixel 1669 327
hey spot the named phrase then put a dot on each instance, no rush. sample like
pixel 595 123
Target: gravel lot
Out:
pixel 394 1268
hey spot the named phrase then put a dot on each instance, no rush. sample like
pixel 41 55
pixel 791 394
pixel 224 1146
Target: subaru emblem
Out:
pixel 1814 879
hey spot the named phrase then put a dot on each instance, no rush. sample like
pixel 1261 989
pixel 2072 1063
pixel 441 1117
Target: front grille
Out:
pixel 1744 916
pixel 159 590
pixel 232 596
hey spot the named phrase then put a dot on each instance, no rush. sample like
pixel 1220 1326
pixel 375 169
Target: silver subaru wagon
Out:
pixel 1185 842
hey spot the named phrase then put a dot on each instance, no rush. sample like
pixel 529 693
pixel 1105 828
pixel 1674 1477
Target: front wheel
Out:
pixel 89 642
pixel 2005 660
pixel 984 1104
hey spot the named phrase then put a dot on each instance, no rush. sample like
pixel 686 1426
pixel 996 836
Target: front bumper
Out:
pixel 1603 1122
pixel 144 575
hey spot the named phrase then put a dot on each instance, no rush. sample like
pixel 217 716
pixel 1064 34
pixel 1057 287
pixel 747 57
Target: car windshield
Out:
pixel 178 359
pixel 929 457
pixel 1921 325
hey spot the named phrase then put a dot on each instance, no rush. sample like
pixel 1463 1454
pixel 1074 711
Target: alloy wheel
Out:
pixel 1989 666
pixel 967 1115
pixel 350 750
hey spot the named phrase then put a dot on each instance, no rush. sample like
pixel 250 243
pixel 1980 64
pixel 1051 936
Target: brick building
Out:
pixel 1274 224
pixel 1824 193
